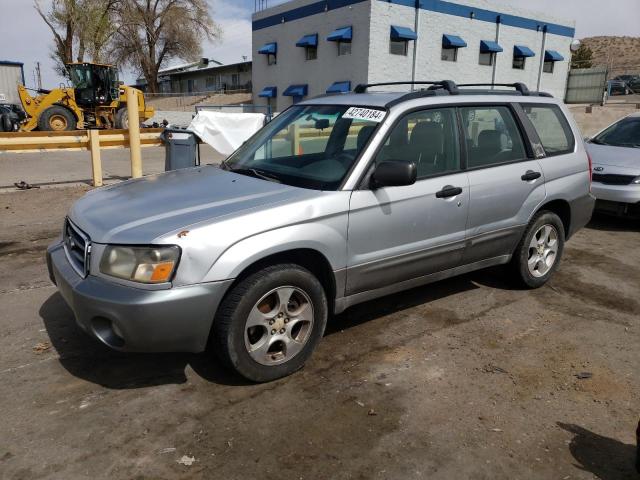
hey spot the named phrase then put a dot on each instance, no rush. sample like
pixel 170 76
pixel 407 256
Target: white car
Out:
pixel 615 153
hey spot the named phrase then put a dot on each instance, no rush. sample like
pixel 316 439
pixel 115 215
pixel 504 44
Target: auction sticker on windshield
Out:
pixel 365 114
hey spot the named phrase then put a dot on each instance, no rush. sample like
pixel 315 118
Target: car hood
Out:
pixel 615 156
pixel 141 210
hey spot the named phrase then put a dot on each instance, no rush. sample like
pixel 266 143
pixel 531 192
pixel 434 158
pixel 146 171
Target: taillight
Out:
pixel 590 170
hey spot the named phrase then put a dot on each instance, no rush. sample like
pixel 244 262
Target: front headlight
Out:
pixel 140 264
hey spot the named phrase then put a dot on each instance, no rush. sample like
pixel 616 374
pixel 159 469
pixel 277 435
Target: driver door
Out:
pixel 398 234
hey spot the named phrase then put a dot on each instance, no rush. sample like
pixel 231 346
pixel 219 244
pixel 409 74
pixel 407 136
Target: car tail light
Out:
pixel 590 170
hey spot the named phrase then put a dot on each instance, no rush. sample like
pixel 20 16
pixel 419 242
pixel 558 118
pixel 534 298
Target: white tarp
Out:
pixel 225 132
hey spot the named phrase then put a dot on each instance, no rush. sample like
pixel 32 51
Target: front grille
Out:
pixel 612 179
pixel 77 247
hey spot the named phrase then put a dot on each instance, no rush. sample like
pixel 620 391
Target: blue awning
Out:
pixel 453 41
pixel 344 34
pixel 296 91
pixel 402 33
pixel 522 51
pixel 487 46
pixel 308 41
pixel 552 56
pixel 269 92
pixel 269 48
pixel 339 87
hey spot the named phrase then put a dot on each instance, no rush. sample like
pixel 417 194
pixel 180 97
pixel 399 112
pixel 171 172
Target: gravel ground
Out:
pixel 466 378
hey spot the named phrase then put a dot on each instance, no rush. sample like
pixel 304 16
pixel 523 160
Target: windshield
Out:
pixel 625 133
pixel 310 146
pixel 81 76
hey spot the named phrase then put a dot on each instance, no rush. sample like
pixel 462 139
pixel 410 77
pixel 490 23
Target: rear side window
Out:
pixel 492 136
pixel 552 127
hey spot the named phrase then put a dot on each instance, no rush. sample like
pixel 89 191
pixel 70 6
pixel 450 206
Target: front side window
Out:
pixel 398 47
pixel 548 67
pixel 625 133
pixel 552 128
pixel 344 48
pixel 429 138
pixel 492 136
pixel 449 54
pixel 312 146
pixel 487 58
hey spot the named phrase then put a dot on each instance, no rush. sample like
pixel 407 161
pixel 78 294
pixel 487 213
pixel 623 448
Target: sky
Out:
pixel 32 38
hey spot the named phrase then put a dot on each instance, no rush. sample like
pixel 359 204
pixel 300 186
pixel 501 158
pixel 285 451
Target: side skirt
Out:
pixel 341 304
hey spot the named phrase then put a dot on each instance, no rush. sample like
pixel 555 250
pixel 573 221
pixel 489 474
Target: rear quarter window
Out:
pixel 552 128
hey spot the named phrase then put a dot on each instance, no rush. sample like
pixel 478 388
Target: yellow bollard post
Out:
pixel 134 133
pixel 96 162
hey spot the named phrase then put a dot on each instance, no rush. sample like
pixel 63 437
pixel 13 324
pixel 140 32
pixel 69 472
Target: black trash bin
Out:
pixel 180 148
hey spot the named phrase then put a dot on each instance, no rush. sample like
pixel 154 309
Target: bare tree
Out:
pixel 62 19
pixel 151 32
pixel 79 27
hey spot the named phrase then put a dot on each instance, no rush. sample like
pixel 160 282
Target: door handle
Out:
pixel 448 191
pixel 530 175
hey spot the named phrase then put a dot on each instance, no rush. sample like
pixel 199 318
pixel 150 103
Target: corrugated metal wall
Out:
pixel 10 78
pixel 586 85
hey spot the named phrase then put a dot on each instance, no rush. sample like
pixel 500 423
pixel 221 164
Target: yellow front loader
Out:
pixel 96 100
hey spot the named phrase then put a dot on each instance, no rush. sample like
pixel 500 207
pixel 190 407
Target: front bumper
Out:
pixel 130 319
pixel 616 193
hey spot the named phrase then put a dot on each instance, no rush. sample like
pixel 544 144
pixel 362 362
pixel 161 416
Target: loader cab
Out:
pixel 95 85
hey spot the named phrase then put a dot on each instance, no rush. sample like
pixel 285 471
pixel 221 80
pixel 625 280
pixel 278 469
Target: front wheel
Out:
pixel 122 118
pixel 270 322
pixel 538 254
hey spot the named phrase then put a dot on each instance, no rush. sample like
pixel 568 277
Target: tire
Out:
pixel 122 118
pixel 56 118
pixel 545 227
pixel 268 351
pixel 6 125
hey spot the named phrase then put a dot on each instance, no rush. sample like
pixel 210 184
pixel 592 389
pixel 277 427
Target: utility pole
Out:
pixel 39 82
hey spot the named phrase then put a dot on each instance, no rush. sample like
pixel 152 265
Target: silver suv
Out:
pixel 338 200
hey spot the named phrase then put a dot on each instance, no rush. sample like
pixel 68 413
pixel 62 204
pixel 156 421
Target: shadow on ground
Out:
pixel 611 223
pixel 88 359
pixel 604 457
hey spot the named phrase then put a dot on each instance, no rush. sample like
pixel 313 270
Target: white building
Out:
pixel 305 48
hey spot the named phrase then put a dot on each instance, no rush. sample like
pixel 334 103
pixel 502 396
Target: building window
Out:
pixel 487 58
pixel 311 52
pixel 449 54
pixel 271 59
pixel 548 67
pixel 344 48
pixel 210 82
pixel 398 47
pixel 519 62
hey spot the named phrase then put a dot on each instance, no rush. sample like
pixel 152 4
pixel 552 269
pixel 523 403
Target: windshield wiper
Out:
pixel 254 172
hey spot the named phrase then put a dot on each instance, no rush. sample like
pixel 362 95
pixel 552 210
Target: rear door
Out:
pixel 506 182
pixel 402 233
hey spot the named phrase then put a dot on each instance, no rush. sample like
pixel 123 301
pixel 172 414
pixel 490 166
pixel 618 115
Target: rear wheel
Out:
pixel 538 254
pixel 56 119
pixel 122 118
pixel 6 125
pixel 270 322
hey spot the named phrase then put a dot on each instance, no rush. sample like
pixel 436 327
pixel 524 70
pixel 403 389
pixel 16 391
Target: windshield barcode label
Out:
pixel 365 114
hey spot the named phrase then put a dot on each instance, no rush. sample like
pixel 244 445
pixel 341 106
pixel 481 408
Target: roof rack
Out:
pixel 448 85
pixel 519 86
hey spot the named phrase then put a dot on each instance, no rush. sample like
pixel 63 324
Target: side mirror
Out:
pixel 394 174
